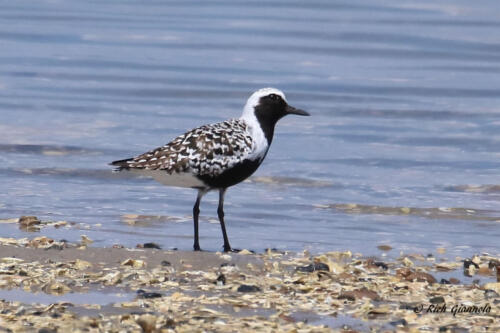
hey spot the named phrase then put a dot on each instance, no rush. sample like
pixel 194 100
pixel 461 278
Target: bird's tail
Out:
pixel 121 164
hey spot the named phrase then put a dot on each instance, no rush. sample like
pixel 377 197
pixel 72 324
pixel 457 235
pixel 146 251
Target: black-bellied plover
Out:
pixel 216 156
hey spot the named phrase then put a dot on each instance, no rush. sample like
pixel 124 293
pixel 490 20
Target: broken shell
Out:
pixel 493 286
pixel 86 240
pixel 135 263
pixel 82 264
pixel 407 262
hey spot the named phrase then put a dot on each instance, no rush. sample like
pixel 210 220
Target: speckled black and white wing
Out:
pixel 203 153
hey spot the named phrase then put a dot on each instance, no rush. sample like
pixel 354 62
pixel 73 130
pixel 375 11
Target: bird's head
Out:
pixel 269 105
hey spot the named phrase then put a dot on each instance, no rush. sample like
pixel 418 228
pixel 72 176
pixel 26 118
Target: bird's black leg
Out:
pixel 220 213
pixel 196 214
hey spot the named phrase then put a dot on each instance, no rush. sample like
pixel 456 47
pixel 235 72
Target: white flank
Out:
pixel 184 179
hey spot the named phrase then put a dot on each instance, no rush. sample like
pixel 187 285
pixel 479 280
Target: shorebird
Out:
pixel 216 156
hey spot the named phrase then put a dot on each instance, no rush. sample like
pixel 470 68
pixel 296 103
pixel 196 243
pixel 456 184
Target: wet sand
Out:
pixel 60 287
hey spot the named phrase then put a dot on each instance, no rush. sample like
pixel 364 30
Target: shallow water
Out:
pixel 92 297
pixel 404 96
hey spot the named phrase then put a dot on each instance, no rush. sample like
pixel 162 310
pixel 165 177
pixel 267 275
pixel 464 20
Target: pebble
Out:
pixel 384 247
pixel 359 293
pixel 490 294
pixel 147 294
pixel 317 266
pixel 245 288
pixel 221 280
pixel 149 246
pixel 28 221
pixel 437 300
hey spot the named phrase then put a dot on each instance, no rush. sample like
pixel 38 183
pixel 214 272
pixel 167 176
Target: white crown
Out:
pixel 253 101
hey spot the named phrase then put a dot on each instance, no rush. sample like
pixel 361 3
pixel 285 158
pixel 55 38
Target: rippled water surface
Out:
pixel 403 147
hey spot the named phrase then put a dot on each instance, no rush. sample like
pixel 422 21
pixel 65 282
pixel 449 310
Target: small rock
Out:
pixel 454 281
pixel 245 288
pixel 273 250
pixel 28 221
pixel 59 224
pixel 286 318
pixel 381 264
pixel 147 323
pixel 372 264
pixel 57 288
pixel 384 247
pixel 147 294
pixel 317 266
pixel 47 330
pixel 359 293
pixel 165 263
pixel 399 322
pixel 149 246
pixel 444 281
pixel 437 300
pixel 488 293
pixel 493 264
pixel 170 323
pixel 468 263
pixel 410 275
pixel 221 280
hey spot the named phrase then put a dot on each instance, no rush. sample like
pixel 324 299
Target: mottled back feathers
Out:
pixel 208 150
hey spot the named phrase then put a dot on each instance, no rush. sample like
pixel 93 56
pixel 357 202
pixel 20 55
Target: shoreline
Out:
pixel 153 290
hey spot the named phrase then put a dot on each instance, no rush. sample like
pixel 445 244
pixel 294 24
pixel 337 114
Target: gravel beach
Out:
pixel 51 286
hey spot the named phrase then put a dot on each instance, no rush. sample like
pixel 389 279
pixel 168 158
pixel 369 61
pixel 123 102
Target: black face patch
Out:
pixel 270 109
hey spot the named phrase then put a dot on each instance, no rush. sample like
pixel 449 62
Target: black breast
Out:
pixel 233 176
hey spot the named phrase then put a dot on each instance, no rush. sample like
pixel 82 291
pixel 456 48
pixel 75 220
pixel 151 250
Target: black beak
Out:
pixel 291 110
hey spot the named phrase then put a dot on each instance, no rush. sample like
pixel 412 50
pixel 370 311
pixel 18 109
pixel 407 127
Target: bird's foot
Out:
pixel 229 249
pixel 196 247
